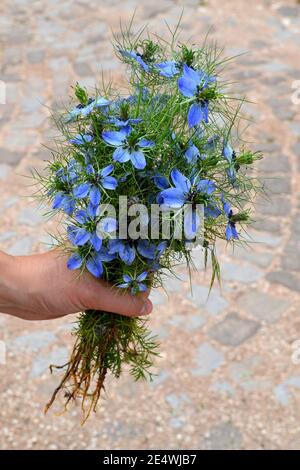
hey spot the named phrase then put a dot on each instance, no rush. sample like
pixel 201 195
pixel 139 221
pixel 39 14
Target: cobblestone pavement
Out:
pixel 227 378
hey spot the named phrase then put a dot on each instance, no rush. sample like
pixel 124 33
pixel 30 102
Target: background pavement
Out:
pixel 228 376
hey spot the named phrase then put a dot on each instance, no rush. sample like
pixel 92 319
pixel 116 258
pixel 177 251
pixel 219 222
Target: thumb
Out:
pixel 99 295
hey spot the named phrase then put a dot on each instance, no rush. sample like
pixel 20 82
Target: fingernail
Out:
pixel 147 308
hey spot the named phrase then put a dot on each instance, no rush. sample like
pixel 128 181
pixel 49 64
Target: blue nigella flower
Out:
pixel 230 155
pixel 137 57
pixel 192 153
pixel 168 69
pixel 191 84
pixel 94 262
pixel 128 249
pixel 185 189
pixel 135 284
pixel 99 179
pixel 125 150
pixel 84 111
pixel 64 199
pixel 81 234
pixel 184 192
pixel 81 139
pixel 231 232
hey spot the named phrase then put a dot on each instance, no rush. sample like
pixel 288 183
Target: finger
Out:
pixel 110 299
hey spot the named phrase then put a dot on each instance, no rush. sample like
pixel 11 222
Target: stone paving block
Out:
pixel 30 216
pixel 208 359
pixel 285 278
pixel 4 171
pixel 32 342
pixel 223 436
pixel 212 302
pixel 245 273
pixel 262 306
pixel 8 157
pixel 40 364
pixel 22 246
pixel 233 330
pixel 277 206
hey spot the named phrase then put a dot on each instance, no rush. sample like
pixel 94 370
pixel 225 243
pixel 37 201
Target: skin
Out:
pixel 41 287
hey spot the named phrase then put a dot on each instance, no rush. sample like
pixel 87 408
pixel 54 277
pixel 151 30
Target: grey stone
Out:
pixel 290 259
pixel 35 56
pixel 83 69
pixel 208 359
pixel 274 67
pixel 267 224
pixel 22 246
pixel 263 306
pixel 4 236
pixel 263 259
pixel 32 341
pixel 160 378
pixel 256 385
pixel 275 163
pixel 10 157
pixel 177 400
pixel 243 371
pixel 277 206
pixel 157 298
pixel 289 11
pixel 224 436
pixel 11 201
pixel 223 387
pixel 277 186
pixel 41 363
pixel 240 273
pixel 4 170
pixel 211 301
pixel 233 330
pixel 30 216
pixel 282 394
pixel 284 278
pixel 177 422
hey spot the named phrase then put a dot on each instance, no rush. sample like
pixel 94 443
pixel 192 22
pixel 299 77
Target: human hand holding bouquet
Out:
pixel 141 179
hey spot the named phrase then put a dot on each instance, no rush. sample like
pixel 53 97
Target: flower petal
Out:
pixel 141 277
pixel 95 196
pixel 109 182
pixel 127 253
pixel 81 190
pixel 172 197
pixel 81 216
pixel 195 114
pixel 81 237
pixel 145 143
pixel 106 170
pixel 187 87
pixel 74 262
pixel 206 186
pixel 94 266
pixel 121 155
pixel 167 69
pixel 96 241
pixel 138 159
pixel 115 138
pixel 180 181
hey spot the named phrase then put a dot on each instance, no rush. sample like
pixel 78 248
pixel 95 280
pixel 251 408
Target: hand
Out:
pixel 41 287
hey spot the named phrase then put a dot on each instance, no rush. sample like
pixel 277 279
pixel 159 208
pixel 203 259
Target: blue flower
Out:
pixel 128 249
pixel 126 150
pixel 231 232
pixel 99 179
pixel 94 262
pixel 86 231
pixel 230 155
pixel 168 69
pixel 185 192
pixel 192 153
pixel 63 199
pixel 81 139
pixel 137 57
pixel 135 284
pixel 84 111
pixel 191 84
pixel 185 189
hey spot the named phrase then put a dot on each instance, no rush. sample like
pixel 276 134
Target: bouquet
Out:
pixel 141 179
